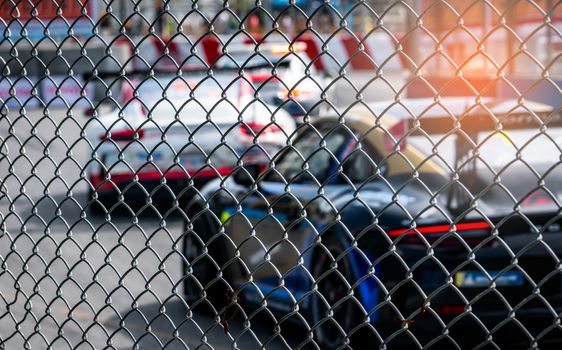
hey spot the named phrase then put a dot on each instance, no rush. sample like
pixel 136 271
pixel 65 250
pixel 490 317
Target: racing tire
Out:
pixel 204 281
pixel 337 319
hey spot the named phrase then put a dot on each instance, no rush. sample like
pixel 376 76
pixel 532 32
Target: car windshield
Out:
pixel 311 157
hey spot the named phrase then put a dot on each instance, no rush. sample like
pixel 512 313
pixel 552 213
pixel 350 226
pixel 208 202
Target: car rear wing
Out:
pixel 466 119
pixel 484 118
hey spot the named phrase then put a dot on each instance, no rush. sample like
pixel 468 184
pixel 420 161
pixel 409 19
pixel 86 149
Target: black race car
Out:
pixel 357 234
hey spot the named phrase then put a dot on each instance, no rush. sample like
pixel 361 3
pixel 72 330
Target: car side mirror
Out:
pixel 247 174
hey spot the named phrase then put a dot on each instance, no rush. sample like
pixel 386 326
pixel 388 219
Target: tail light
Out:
pixel 450 309
pixel 257 128
pixel 285 93
pixel 471 232
pixel 122 135
pixel 260 78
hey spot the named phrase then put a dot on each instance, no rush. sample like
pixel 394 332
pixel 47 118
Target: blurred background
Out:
pixel 60 59
pixel 498 46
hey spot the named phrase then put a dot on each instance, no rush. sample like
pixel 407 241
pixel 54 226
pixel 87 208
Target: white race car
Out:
pixel 172 129
pixel 282 74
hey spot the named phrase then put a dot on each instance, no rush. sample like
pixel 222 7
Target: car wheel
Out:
pixel 204 282
pixel 335 314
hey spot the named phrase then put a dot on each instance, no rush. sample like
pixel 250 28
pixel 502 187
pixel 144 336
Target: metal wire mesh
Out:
pixel 284 174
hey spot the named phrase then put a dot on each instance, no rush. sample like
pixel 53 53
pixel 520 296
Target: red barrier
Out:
pixel 212 48
pixel 312 51
pixel 345 49
pixel 358 59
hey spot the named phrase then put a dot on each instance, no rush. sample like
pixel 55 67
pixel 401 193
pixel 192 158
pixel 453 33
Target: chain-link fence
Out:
pixel 280 174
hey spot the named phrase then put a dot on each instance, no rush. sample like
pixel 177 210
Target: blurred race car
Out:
pixel 281 73
pixel 172 130
pixel 359 234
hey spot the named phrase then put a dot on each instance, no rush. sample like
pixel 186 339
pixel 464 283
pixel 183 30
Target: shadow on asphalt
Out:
pixel 173 325
pixel 81 207
pixel 135 203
